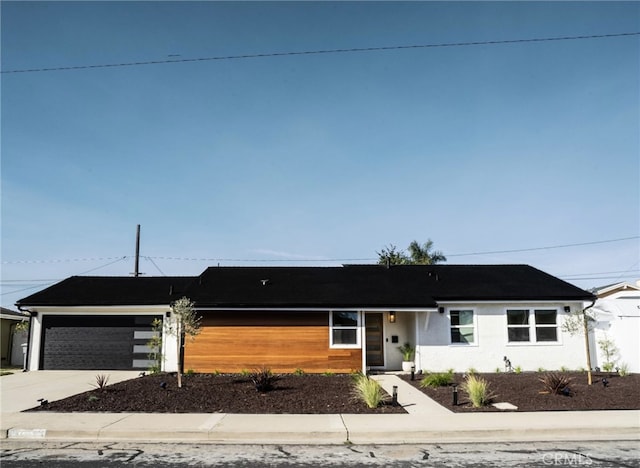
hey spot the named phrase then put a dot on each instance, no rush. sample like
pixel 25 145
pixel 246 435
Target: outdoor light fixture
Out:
pixel 455 394
pixel 392 317
pixel 394 397
pixel 567 309
pixel 413 372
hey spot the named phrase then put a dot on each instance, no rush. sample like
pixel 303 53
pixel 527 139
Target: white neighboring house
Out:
pixel 618 319
pixel 10 338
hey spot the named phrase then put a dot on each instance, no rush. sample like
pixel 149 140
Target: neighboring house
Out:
pixel 10 339
pixel 316 319
pixel 618 320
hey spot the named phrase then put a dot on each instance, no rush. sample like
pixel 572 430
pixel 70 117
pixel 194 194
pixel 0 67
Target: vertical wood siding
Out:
pixel 283 341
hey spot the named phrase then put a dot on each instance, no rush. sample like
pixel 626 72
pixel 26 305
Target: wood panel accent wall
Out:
pixel 232 341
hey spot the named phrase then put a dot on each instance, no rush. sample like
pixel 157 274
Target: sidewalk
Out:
pixel 425 421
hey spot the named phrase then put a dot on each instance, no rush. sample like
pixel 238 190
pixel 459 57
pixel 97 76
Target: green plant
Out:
pixel 564 369
pixel 407 351
pixel 517 370
pixel 217 372
pixel 190 372
pixel 437 379
pixel 556 384
pixel 541 369
pixel 92 398
pixel 155 346
pixel 263 379
pixel 102 380
pixel 478 390
pixel 368 390
pixel 498 370
pixel 185 323
pixel 623 369
pixel 298 372
pixel 472 371
pixel 328 373
pixel 245 373
pixel 609 351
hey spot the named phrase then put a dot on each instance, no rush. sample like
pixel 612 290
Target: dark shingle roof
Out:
pixel 365 286
pixel 110 290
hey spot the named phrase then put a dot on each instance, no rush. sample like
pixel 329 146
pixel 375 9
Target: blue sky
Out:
pixel 317 159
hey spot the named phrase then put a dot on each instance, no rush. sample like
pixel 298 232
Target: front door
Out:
pixel 374 339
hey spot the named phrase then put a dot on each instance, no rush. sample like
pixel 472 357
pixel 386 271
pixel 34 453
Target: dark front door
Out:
pixel 374 339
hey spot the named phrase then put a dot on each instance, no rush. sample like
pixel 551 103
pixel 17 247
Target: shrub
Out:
pixel 478 390
pixel 517 370
pixel 541 369
pixel 245 373
pixel 556 384
pixel 564 368
pixel 498 370
pixel 298 372
pixel 328 374
pixel 623 370
pixel 437 379
pixel 190 372
pixel 472 371
pixel 263 379
pixel 368 390
pixel 102 380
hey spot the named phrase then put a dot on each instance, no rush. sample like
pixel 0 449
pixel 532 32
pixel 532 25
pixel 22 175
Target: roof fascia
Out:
pixel 99 308
pixel 518 301
pixel 321 309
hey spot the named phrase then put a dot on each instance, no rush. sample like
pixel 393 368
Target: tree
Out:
pixel 418 255
pixel 581 322
pixel 186 323
pixel 423 255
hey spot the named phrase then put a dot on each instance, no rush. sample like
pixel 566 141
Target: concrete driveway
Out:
pixel 21 390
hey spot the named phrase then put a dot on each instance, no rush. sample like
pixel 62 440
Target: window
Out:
pixel 344 329
pixel 546 326
pixel 518 325
pixel 462 326
pixel 525 326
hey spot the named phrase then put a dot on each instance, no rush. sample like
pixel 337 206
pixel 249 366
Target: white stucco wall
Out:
pixel 618 318
pixel 436 353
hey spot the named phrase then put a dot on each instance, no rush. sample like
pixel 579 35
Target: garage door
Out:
pixel 95 342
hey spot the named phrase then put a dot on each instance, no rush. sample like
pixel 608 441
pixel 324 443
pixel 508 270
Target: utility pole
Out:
pixel 136 271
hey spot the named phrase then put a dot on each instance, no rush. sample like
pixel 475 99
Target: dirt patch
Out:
pixel 526 392
pixel 207 393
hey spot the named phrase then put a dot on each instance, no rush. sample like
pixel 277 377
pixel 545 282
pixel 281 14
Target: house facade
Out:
pixel 617 315
pixel 10 338
pixel 315 319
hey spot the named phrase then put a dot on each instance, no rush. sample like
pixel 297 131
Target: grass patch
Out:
pixel 478 390
pixel 368 390
pixel 437 379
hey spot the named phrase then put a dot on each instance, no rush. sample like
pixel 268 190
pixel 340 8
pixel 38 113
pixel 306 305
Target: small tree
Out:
pixel 610 351
pixel 580 322
pixel 186 323
pixel 155 344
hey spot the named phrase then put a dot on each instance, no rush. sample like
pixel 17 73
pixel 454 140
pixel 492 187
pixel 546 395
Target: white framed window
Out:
pixel 463 327
pixel 344 327
pixel 532 326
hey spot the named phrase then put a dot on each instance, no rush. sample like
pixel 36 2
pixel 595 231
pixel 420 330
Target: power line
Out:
pixel 62 260
pixel 327 51
pixel 544 248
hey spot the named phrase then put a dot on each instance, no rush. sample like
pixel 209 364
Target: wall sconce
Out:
pixel 441 310
pixel 567 309
pixel 392 317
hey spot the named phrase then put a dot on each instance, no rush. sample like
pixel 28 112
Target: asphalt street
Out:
pixel 30 454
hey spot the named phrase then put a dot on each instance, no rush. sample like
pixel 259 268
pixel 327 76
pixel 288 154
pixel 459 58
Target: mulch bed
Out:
pixel 526 392
pixel 207 393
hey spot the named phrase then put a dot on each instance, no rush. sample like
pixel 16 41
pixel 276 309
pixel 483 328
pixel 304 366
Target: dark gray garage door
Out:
pixel 95 342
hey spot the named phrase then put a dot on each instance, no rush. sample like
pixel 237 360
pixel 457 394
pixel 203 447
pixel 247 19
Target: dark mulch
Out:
pixel 207 393
pixel 526 392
